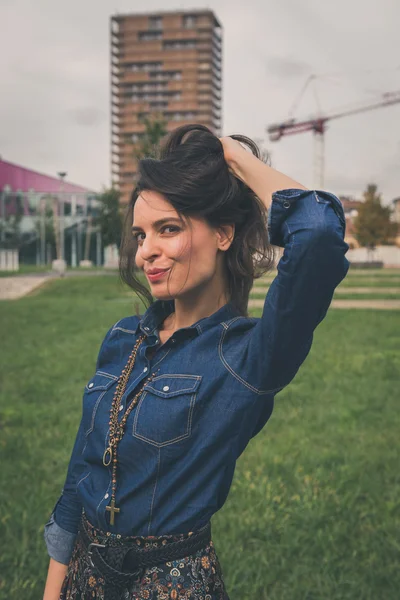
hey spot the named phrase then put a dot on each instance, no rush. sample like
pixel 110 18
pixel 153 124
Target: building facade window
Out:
pixel 145 67
pixel 149 36
pixel 155 22
pixel 189 21
pixel 179 44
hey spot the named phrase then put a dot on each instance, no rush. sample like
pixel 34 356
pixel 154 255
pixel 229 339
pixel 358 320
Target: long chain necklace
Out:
pixel 117 429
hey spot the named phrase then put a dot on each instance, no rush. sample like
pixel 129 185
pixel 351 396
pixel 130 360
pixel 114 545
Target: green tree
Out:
pixel 373 226
pixel 109 217
pixel 10 226
pixel 155 130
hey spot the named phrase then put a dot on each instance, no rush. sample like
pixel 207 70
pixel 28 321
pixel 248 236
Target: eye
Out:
pixel 174 228
pixel 137 236
pixel 169 229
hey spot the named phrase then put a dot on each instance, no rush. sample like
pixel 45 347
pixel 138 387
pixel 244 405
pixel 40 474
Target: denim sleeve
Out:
pixel 59 542
pixel 310 226
pixel 61 529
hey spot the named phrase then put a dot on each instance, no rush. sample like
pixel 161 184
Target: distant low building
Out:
pixel 396 218
pixel 350 207
pixel 32 196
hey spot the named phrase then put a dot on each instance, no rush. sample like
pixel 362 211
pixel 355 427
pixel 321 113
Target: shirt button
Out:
pixel 121 407
pixel 286 204
pixel 146 328
pixel 90 385
pixel 165 388
pixel 106 496
pixel 145 370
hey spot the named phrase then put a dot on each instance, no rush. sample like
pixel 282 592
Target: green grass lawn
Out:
pixel 314 511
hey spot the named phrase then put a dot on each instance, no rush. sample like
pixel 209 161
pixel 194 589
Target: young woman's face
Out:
pixel 177 257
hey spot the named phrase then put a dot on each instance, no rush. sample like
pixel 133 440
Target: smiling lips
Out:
pixel 156 274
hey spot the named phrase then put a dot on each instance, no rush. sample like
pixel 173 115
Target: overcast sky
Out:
pixel 54 73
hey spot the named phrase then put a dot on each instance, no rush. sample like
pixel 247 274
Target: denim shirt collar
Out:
pixel 160 309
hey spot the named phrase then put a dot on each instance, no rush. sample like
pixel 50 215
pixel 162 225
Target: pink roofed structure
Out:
pixel 21 179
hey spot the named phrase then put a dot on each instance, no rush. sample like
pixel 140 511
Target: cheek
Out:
pixel 201 257
pixel 139 262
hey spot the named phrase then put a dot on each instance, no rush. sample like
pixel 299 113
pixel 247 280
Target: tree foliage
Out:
pixel 155 130
pixel 44 222
pixel 373 226
pixel 10 226
pixel 109 217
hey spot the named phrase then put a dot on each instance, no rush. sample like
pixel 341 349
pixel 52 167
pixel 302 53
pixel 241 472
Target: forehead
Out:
pixel 151 206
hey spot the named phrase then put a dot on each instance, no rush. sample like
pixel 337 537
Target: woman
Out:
pixel 178 393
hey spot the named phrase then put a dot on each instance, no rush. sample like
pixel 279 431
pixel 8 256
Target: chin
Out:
pixel 161 293
pixel 161 296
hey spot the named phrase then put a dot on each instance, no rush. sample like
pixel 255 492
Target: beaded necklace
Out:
pixel 117 429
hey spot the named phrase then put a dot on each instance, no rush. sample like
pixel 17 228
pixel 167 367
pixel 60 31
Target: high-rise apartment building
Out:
pixel 168 63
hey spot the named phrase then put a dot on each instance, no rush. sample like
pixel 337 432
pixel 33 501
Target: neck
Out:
pixel 195 306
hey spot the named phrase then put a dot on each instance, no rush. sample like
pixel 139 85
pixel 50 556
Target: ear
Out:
pixel 225 235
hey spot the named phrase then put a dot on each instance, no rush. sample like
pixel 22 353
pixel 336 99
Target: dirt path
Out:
pixel 12 288
pixel 374 304
pixel 262 289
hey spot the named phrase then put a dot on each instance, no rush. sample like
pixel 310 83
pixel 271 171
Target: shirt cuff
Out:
pixel 285 202
pixel 60 543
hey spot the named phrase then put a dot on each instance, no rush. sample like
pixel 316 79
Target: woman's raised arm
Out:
pixel 258 176
pixel 310 226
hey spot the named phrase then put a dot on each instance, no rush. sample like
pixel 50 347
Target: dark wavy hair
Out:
pixel 193 176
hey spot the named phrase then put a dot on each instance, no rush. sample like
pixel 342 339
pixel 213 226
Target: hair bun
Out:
pixel 194 133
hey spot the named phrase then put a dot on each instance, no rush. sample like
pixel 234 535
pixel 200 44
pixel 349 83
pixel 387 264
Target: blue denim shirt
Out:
pixel 214 389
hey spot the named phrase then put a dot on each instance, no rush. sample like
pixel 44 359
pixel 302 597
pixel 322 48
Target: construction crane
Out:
pixel 318 126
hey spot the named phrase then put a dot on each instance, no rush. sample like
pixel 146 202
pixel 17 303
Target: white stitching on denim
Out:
pixel 82 479
pixel 148 386
pixel 103 386
pixel 242 381
pixel 154 491
pixel 183 376
pixel 229 323
pixel 94 413
pixel 102 498
pixel 134 384
pixel 168 442
pixel 115 377
pixel 124 330
pixel 115 325
pixel 162 358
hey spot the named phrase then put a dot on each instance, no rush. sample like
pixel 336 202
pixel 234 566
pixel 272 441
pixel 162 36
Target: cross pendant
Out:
pixel 112 509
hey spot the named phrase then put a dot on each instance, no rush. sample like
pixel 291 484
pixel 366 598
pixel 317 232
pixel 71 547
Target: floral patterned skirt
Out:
pixel 194 577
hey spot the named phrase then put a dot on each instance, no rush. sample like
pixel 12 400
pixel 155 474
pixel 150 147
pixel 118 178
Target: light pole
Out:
pixel 62 175
pixel 59 264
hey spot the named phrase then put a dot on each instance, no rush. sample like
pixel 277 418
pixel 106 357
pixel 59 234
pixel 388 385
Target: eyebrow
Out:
pixel 159 223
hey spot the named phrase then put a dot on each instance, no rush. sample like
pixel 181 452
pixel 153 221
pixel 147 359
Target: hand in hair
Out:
pixel 231 148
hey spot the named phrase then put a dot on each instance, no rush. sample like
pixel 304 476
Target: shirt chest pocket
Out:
pixel 95 391
pixel 165 410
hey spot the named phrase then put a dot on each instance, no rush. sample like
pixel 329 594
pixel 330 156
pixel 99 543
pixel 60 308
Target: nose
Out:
pixel 149 249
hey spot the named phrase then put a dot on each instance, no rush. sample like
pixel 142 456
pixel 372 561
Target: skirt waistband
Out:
pixel 151 541
pixel 122 560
